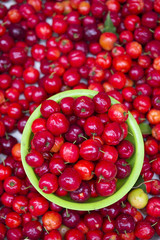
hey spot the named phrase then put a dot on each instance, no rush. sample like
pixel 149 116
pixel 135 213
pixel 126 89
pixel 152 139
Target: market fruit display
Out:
pixel 47 47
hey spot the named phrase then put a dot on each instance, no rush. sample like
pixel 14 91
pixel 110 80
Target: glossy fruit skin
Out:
pixel 123 168
pixel 70 218
pixel 105 188
pixel 112 134
pixel 74 134
pixel 53 235
pixel 93 220
pixel 125 149
pixel 107 41
pixel 118 113
pixel 56 166
pixel 38 206
pixel 48 107
pixel 82 194
pixel 69 152
pixel 109 153
pixel 125 222
pixel 20 204
pixel 52 220
pixel 106 170
pixel 12 185
pixel 43 141
pixel 74 233
pixel 85 169
pixel 57 124
pixel 83 107
pixel 33 230
pixel 13 220
pixel 122 63
pixel 144 230
pixel 48 183
pixel 90 150
pixel 70 179
pixel 153 206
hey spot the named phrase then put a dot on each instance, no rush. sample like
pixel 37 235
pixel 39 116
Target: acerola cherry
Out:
pixel 69 152
pixel 83 107
pixel 57 124
pixel 112 134
pixel 105 169
pixel 118 113
pixel 70 179
pixel 48 183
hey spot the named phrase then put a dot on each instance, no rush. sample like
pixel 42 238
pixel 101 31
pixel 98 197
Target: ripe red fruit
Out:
pixel 57 124
pixel 105 188
pixel 43 30
pixel 48 183
pixel 112 134
pixel 69 152
pixel 107 41
pixel 38 206
pixel 93 126
pixel 51 220
pixel 105 169
pixel 144 230
pixel 118 113
pixel 153 206
pixel 70 179
pixel 102 102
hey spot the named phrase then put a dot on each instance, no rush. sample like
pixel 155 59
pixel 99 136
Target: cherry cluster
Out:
pixel 93 145
pixel 46 47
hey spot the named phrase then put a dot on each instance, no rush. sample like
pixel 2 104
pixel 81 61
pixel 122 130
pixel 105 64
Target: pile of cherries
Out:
pixel 79 150
pixel 46 47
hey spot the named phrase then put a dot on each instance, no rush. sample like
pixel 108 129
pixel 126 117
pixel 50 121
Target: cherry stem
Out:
pixel 146 53
pixel 101 151
pixel 93 135
pixel 80 135
pixel 144 183
pixel 4 23
pixel 123 205
pixel 51 75
pixel 74 141
pixel 100 178
pixel 46 230
pixel 153 160
pixel 59 171
pixel 112 71
pixel 126 233
pixel 28 187
pixel 151 30
pixel 109 218
pixel 67 213
pixel 26 111
pixel 6 135
pixel 154 224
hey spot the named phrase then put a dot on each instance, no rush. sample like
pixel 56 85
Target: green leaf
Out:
pixel 145 128
pixel 108 25
pixel 140 184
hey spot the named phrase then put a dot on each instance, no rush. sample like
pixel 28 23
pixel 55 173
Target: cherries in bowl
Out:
pixel 76 133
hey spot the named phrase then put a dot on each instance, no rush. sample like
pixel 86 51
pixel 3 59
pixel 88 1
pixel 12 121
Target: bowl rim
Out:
pixel 139 150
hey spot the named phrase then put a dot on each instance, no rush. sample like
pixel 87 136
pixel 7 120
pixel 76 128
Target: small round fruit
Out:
pixel 138 198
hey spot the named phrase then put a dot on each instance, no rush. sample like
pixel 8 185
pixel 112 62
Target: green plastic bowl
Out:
pixel 123 185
